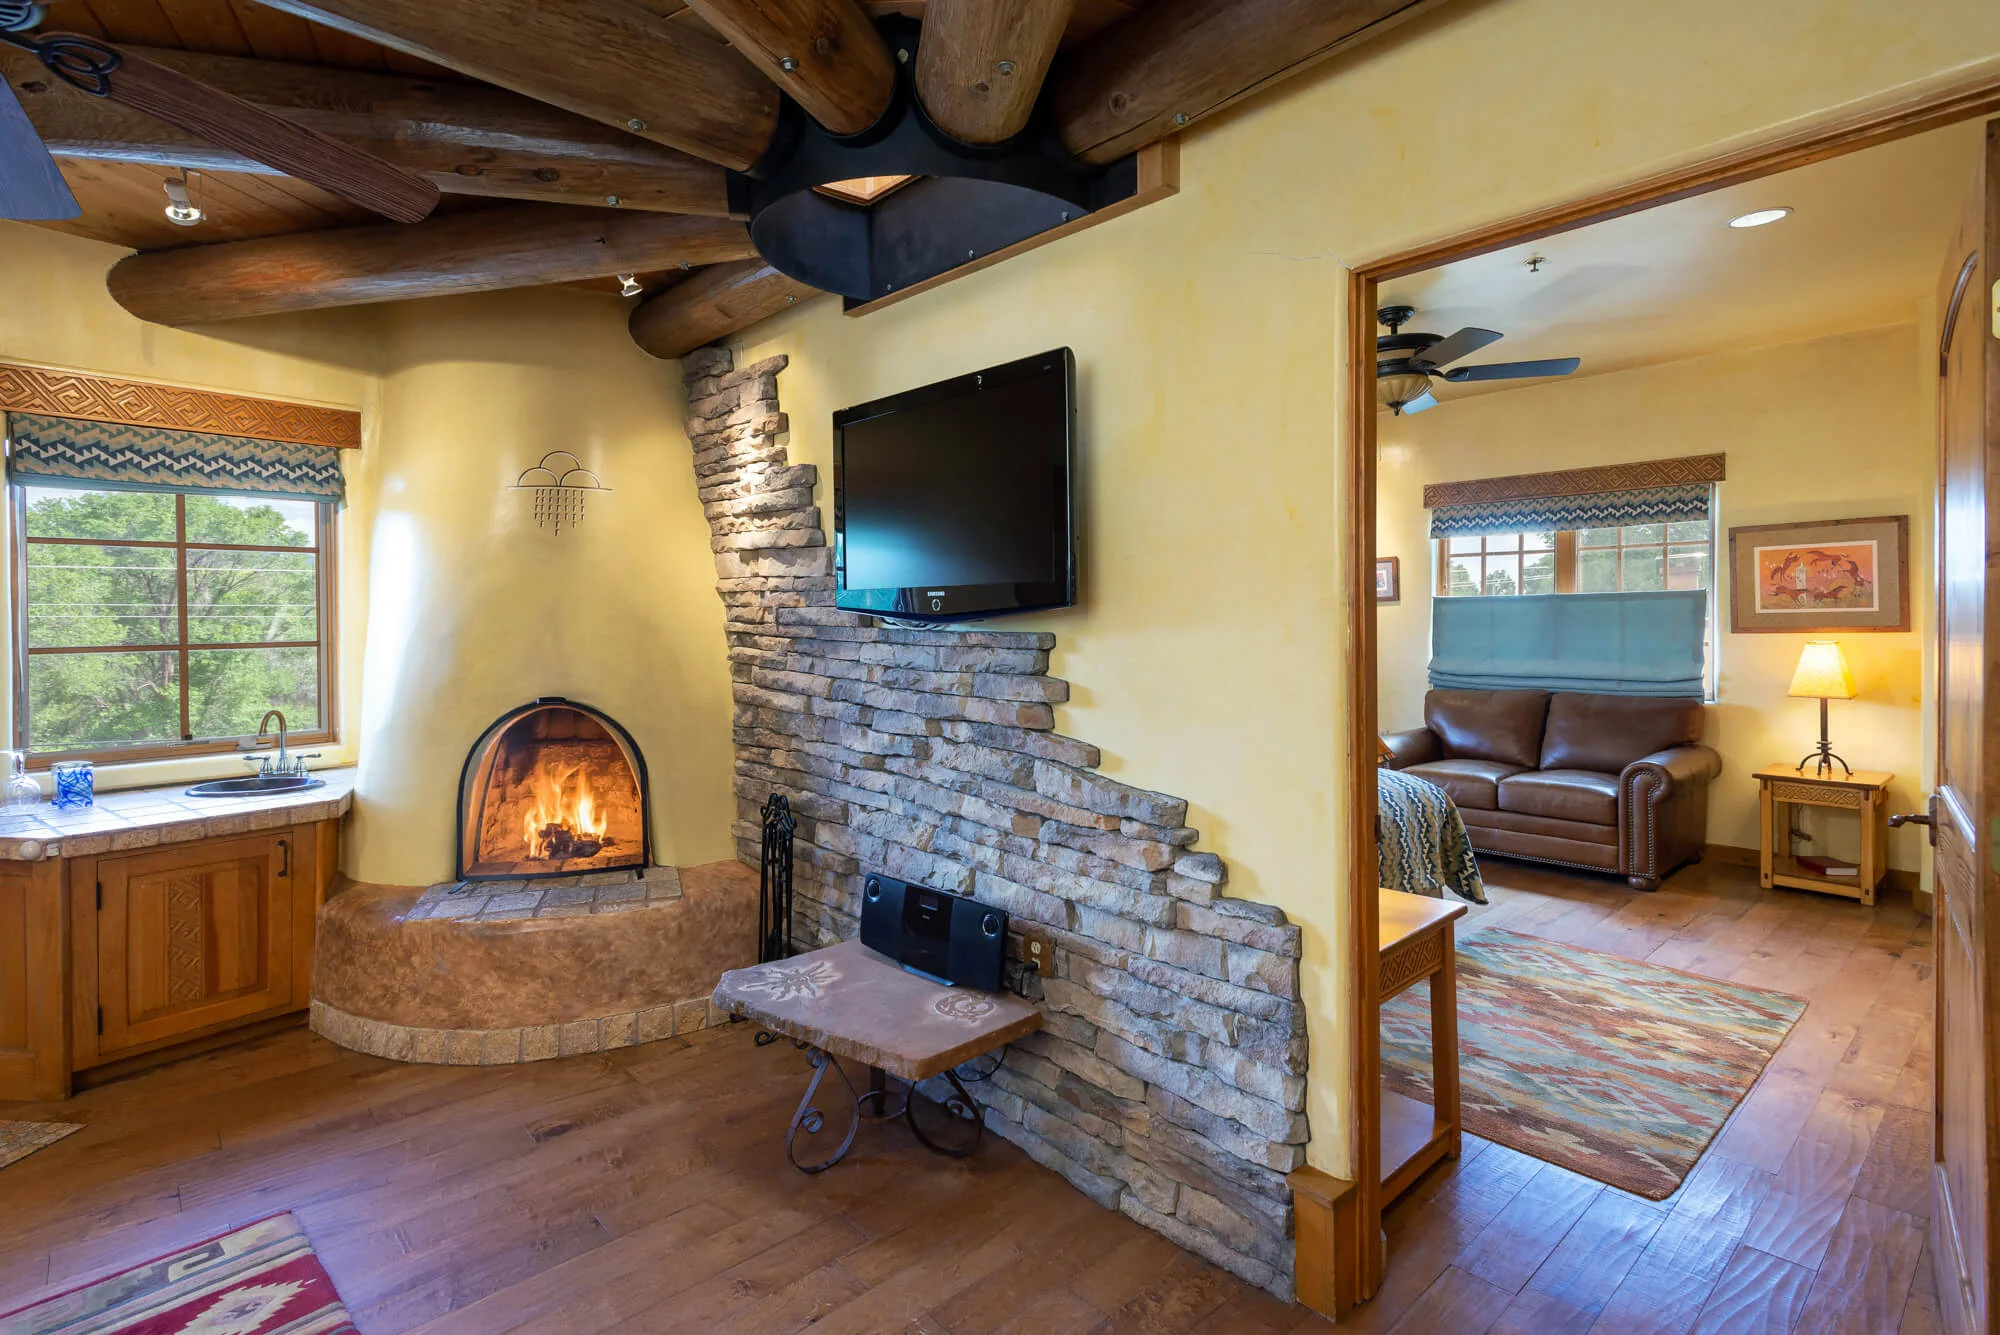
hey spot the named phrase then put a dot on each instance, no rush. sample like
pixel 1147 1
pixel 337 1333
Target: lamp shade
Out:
pixel 1822 673
pixel 1401 387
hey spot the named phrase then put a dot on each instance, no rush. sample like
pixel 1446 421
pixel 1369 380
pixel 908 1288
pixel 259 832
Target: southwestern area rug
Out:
pixel 20 1139
pixel 258 1280
pixel 1620 1070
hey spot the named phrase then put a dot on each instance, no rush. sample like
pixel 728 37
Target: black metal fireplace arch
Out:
pixel 476 772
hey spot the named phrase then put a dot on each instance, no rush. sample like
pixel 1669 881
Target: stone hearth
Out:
pixel 493 972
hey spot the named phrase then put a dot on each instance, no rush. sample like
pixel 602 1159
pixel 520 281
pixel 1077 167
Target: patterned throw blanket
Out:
pixel 1423 845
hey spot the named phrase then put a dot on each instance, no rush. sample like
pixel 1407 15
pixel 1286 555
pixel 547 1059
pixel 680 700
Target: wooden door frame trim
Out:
pixel 1357 1258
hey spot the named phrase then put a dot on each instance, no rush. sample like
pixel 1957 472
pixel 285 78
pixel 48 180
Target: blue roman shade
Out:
pixel 1605 643
pixel 1673 503
pixel 70 451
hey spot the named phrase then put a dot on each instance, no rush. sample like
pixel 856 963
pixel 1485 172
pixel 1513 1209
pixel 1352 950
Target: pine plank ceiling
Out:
pixel 123 202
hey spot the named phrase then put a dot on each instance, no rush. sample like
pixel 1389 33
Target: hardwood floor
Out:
pixel 1808 1211
pixel 646 1190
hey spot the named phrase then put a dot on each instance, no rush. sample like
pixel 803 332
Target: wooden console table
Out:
pixel 1864 792
pixel 1418 942
pixel 847 1001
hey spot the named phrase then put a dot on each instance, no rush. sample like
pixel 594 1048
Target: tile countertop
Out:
pixel 145 817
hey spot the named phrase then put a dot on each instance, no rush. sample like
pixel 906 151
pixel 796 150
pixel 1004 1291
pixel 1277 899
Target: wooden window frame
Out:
pixel 1441 584
pixel 1665 547
pixel 1567 552
pixel 324 550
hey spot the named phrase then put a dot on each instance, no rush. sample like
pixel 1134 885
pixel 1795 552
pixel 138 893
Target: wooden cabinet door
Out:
pixel 34 980
pixel 1966 804
pixel 194 937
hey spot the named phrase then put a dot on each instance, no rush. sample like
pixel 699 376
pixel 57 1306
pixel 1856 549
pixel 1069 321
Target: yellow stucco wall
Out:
pixel 1209 335
pixel 474 609
pixel 1826 429
pixel 55 311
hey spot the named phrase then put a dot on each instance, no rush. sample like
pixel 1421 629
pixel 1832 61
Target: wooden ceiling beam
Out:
pixel 518 245
pixel 1176 61
pixel 825 53
pixel 615 61
pixel 980 65
pixel 713 304
pixel 469 139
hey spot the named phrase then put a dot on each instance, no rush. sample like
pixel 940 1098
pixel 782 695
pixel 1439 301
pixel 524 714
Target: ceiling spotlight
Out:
pixel 181 210
pixel 1759 217
pixel 628 286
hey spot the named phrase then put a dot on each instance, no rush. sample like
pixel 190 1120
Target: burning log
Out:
pixel 561 843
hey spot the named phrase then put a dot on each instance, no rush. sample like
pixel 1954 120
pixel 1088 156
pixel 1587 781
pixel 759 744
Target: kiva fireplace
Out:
pixel 553 788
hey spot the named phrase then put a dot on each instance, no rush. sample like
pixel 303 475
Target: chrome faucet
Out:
pixel 287 763
pixel 284 754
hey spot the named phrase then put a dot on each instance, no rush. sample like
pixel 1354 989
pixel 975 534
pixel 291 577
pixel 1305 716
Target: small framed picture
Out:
pixel 1835 575
pixel 1388 579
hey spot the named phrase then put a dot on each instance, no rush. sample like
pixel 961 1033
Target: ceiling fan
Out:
pixel 32 189
pixel 1406 363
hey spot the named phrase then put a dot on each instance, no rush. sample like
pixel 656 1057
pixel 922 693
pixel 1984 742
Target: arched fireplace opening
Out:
pixel 553 788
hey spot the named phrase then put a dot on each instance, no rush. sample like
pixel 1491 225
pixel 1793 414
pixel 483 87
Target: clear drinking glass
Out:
pixel 22 791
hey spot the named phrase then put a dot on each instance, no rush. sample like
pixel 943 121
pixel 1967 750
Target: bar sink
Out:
pixel 252 784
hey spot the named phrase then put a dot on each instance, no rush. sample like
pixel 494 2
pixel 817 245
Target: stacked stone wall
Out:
pixel 1169 1082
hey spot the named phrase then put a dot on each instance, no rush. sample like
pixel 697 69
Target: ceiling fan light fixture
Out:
pixel 181 210
pixel 1397 388
pixel 1759 217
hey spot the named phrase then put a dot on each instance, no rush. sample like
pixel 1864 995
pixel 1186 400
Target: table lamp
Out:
pixel 1822 673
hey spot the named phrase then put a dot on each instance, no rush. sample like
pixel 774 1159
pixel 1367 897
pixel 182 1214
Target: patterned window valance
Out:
pixel 143 458
pixel 1649 492
pixel 1650 505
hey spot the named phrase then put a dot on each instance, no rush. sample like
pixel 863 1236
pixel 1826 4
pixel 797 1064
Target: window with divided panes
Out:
pixel 1626 558
pixel 1629 558
pixel 150 623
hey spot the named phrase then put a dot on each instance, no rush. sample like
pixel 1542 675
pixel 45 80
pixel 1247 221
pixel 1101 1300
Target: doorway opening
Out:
pixel 1582 863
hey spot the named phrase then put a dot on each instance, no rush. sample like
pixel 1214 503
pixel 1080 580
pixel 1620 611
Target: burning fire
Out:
pixel 564 822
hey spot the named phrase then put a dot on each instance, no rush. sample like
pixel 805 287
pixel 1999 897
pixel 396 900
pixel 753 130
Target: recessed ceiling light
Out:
pixel 1759 217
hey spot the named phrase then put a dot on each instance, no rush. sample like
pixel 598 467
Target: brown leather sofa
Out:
pixel 1612 783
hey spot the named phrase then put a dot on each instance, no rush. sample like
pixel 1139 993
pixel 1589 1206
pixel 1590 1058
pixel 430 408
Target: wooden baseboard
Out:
pixel 1326 1248
pixel 1730 855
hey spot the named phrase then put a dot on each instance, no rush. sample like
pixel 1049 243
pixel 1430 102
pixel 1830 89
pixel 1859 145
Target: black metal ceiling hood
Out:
pixel 970 200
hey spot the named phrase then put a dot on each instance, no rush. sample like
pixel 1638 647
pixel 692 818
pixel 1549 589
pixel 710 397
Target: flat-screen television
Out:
pixel 953 501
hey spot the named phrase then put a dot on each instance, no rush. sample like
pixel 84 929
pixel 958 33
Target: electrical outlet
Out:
pixel 1038 951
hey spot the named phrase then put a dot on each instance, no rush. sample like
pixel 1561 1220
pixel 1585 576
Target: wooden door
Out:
pixel 192 938
pixel 1968 1058
pixel 34 974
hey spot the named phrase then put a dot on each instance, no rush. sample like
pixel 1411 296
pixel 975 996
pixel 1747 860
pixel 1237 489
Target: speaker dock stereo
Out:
pixel 933 933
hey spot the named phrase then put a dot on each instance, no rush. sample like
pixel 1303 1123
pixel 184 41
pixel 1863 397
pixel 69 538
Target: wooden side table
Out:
pixel 1418 942
pixel 1864 792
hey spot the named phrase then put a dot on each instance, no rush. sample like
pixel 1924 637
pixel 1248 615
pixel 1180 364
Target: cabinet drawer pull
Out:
pixel 285 867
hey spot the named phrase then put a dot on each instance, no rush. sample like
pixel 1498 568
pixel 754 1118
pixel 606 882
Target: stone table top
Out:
pixel 147 817
pixel 855 1003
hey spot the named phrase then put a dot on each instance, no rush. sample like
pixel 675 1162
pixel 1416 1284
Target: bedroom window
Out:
pixel 1628 558
pixel 1643 558
pixel 1498 564
pixel 155 623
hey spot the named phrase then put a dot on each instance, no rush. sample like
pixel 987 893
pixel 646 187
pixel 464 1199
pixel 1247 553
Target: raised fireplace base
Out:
pixel 492 973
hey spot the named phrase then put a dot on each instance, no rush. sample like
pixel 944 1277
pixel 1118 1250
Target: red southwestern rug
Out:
pixel 260 1280
pixel 1618 1069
